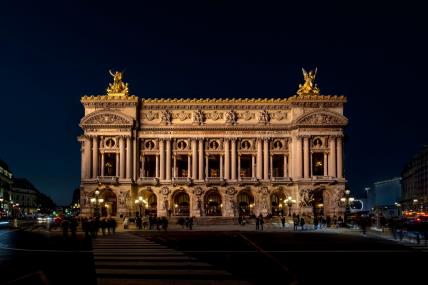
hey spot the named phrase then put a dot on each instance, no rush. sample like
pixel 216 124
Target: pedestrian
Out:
pixel 73 227
pixel 64 226
pixel 283 221
pixel 261 221
pixel 296 222
pixel 257 223
pixel 315 222
pixel 302 223
pixel 190 223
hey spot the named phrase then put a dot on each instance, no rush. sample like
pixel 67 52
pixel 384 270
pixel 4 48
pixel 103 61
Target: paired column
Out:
pixel 94 157
pixel 286 170
pixel 298 158
pixel 266 159
pixel 135 159
pixel 189 166
pixel 122 156
pixel 221 166
pixel 102 165
pixel 239 166
pixel 332 158
pixel 86 161
pixel 325 164
pixel 259 158
pixel 117 164
pixel 168 159
pixel 253 166
pixel 226 159
pixel 339 157
pixel 194 159
pixel 157 167
pixel 162 159
pixel 128 158
pixel 201 160
pixel 306 167
pixel 174 173
pixel 143 167
pixel 233 154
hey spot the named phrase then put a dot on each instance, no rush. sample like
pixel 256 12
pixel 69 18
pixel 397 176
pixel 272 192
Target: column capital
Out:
pixel 304 136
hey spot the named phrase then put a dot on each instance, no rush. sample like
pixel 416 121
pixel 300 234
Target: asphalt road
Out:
pixel 41 257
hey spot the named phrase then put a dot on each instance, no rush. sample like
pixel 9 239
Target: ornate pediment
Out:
pixel 106 119
pixel 323 118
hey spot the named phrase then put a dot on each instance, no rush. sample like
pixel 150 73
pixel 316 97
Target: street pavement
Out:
pixel 231 254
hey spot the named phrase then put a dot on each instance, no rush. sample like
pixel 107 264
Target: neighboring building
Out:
pixel 6 180
pixel 212 157
pixel 415 182
pixel 384 196
pixel 25 195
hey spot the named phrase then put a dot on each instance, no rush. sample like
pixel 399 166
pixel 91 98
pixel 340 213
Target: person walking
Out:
pixel 283 221
pixel 261 221
pixel 257 223
pixel 302 223
pixel 296 222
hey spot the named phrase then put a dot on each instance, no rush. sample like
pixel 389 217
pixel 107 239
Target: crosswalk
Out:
pixel 124 258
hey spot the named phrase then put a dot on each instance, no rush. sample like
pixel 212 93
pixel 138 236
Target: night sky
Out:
pixel 53 53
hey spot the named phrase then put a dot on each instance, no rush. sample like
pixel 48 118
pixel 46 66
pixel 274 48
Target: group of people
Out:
pixel 92 225
pixel 186 222
pixel 151 223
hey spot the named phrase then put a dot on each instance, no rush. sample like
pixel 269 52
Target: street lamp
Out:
pixel 1 203
pixel 290 201
pixel 347 200
pixel 96 201
pixel 398 205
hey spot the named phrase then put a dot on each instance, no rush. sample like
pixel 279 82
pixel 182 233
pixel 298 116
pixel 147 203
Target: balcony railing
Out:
pixel 108 179
pixel 148 181
pixel 182 180
pixel 280 179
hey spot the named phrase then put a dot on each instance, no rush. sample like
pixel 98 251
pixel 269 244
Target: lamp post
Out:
pixel 142 205
pixel 398 205
pixel 96 201
pixel 1 204
pixel 347 200
pixel 290 201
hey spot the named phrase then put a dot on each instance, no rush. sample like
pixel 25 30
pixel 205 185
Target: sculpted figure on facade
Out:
pixel 231 117
pixel 264 117
pixel 306 198
pixel 117 87
pixel 198 117
pixel 308 87
pixel 166 117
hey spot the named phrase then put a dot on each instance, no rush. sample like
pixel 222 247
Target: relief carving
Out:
pixel 231 117
pixel 264 117
pixel 166 117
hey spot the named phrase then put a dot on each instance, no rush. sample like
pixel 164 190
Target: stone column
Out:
pixel 162 159
pixel 253 166
pixel 168 159
pixel 143 167
pixel 194 160
pixel 306 167
pixel 157 167
pixel 291 159
pixel 87 146
pixel 94 157
pixel 189 166
pixel 206 166
pixel 226 159
pixel 102 164
pixel 221 166
pixel 233 154
pixel 239 166
pixel 128 158
pixel 271 166
pixel 201 160
pixel 259 159
pixel 122 157
pixel 286 167
pixel 174 173
pixel 325 164
pixel 339 157
pixel 266 159
pixel 298 158
pixel 332 158
pixel 135 159
pixel 117 164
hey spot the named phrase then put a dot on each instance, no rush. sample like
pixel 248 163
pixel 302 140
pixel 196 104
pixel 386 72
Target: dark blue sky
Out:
pixel 53 53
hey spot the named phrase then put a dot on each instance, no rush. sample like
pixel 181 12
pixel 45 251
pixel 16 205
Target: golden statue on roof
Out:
pixel 309 87
pixel 118 87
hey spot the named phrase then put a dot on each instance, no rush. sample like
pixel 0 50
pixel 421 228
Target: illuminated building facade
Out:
pixel 213 157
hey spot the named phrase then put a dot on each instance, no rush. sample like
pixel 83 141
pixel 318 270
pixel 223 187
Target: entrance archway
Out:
pixel 109 206
pixel 149 206
pixel 212 203
pixel 245 203
pixel 181 204
pixel 318 202
pixel 277 203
